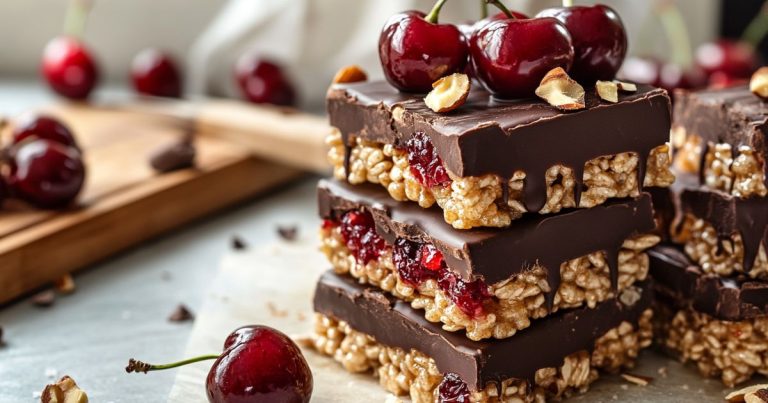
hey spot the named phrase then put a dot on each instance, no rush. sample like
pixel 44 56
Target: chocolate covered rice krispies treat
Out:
pixel 489 162
pixel 718 323
pixel 489 283
pixel 368 331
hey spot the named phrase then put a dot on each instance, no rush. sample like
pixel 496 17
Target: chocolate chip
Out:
pixel 44 299
pixel 176 156
pixel 288 232
pixel 238 243
pixel 181 314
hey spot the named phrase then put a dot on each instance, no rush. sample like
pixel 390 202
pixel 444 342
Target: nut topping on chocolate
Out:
pixel 561 91
pixel 608 91
pixel 350 74
pixel 625 86
pixel 759 83
pixel 750 394
pixel 630 296
pixel 448 93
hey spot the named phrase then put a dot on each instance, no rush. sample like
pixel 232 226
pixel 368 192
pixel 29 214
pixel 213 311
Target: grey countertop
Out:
pixel 121 306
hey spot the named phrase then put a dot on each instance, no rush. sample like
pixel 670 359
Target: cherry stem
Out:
pixel 432 16
pixel 140 366
pixel 483 9
pixel 77 16
pixel 501 7
pixel 757 28
pixel 676 32
pixel 567 3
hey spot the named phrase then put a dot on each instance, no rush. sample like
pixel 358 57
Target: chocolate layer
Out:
pixel 394 323
pixel 486 136
pixel 729 215
pixel 682 283
pixel 733 115
pixel 498 254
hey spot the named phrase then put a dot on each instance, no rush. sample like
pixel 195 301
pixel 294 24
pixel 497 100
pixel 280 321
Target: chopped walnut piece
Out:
pixel 561 91
pixel 63 391
pixel 448 93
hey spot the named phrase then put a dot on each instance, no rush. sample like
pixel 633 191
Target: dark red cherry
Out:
pixel 599 40
pixel 262 81
pixel 45 173
pixel 155 73
pixel 69 68
pixel 733 59
pixel 452 389
pixel 46 127
pixel 641 70
pixel 415 51
pixel 467 29
pixel 511 56
pixel 259 364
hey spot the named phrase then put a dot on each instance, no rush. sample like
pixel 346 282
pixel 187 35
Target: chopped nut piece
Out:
pixel 740 395
pixel 65 284
pixel 63 391
pixel 181 314
pixel 561 91
pixel 608 91
pixel 759 83
pixel 448 93
pixel 626 87
pixel 288 232
pixel 637 379
pixel 44 299
pixel 350 74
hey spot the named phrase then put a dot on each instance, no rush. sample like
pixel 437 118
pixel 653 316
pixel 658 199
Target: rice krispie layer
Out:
pixel 367 331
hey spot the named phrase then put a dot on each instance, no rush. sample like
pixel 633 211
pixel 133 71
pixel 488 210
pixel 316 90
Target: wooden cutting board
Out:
pixel 273 285
pixel 124 202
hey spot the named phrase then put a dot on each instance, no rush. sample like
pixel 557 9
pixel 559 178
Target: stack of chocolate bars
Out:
pixel 493 253
pixel 712 276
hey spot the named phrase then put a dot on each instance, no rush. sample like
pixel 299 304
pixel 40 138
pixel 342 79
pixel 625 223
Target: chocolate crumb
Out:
pixel 173 157
pixel 288 232
pixel 44 299
pixel 181 314
pixel 238 243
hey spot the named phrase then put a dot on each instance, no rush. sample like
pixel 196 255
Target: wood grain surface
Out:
pixel 124 201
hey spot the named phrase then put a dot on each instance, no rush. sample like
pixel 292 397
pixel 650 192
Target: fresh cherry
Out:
pixel 415 51
pixel 45 173
pixel 467 29
pixel 45 127
pixel 599 40
pixel 259 364
pixel 733 59
pixel 262 81
pixel 69 67
pixel 511 56
pixel 155 73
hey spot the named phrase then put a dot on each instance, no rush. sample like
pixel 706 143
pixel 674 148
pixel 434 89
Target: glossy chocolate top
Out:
pixel 678 279
pixel 497 254
pixel 732 115
pixel 545 344
pixel 486 136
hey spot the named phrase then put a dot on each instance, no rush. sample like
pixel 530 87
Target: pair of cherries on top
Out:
pixel 509 52
pixel 44 163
